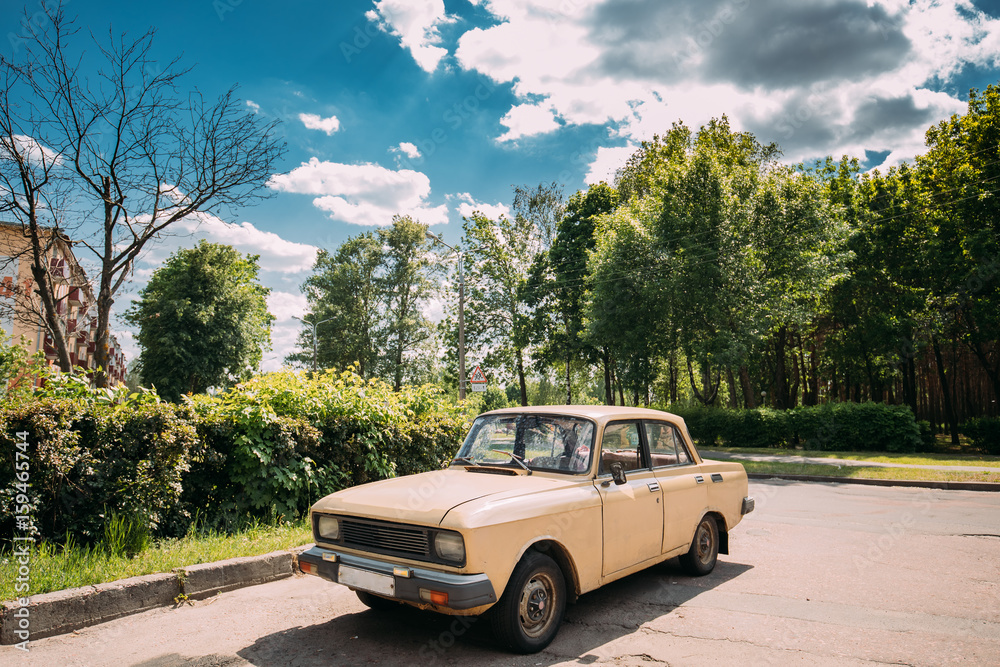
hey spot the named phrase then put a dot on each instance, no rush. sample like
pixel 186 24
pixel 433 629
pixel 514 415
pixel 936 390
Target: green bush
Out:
pixel 831 426
pixel 107 460
pixel 85 458
pixel 494 398
pixel 984 434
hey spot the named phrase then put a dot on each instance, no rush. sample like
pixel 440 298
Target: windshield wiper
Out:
pixel 466 459
pixel 514 457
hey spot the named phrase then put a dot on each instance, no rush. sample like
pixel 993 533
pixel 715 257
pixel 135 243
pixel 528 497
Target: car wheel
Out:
pixel 531 609
pixel 375 602
pixel 704 552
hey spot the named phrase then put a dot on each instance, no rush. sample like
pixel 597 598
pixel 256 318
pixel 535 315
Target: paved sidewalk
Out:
pixel 778 458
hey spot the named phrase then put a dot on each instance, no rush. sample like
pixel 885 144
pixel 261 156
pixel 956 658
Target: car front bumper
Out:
pixel 400 582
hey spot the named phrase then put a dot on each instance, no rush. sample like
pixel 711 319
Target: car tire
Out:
pixel 704 552
pixel 375 602
pixel 531 609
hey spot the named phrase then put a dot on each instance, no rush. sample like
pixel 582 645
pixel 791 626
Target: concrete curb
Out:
pixel 64 611
pixel 913 483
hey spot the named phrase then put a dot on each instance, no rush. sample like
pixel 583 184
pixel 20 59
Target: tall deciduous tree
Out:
pixel 558 282
pixel 407 286
pixel 203 320
pixel 100 146
pixel 346 302
pixel 497 259
pixel 374 290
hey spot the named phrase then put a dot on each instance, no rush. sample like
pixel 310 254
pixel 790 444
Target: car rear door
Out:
pixel 681 482
pixel 633 511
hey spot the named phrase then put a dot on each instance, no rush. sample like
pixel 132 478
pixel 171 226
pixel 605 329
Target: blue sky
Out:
pixel 435 108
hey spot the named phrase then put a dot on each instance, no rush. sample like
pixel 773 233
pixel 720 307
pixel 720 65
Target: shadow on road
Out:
pixel 411 637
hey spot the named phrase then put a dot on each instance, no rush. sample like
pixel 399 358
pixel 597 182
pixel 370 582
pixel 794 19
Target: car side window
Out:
pixel 620 443
pixel 666 447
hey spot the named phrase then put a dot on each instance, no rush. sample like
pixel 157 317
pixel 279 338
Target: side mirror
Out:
pixel 618 473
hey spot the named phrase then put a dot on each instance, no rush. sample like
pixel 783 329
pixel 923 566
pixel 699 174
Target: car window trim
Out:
pixel 644 459
pixel 679 438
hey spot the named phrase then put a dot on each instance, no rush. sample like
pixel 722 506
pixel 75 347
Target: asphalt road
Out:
pixel 820 574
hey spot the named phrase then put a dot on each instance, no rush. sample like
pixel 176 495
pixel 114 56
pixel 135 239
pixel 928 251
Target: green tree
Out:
pixel 959 175
pixel 407 285
pixel 347 301
pixel 203 321
pixel 557 284
pixel 373 291
pixel 498 256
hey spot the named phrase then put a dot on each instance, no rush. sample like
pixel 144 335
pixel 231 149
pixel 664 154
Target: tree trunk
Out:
pixel 520 377
pixel 609 390
pixel 731 381
pixel 749 400
pixel 780 378
pixel 949 409
pixel 569 386
pixel 708 396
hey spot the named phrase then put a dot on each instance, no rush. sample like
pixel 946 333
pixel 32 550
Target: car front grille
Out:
pixel 386 538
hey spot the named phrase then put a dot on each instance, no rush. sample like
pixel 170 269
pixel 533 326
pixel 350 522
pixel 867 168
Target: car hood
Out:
pixel 427 497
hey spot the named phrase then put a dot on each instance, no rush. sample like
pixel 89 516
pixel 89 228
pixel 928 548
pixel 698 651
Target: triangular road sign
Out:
pixel 478 376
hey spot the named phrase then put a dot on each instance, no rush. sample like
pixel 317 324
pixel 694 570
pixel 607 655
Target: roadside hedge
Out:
pixel 268 447
pixel 984 435
pixel 875 427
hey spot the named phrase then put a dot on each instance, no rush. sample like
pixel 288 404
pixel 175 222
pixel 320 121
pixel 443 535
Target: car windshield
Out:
pixel 540 442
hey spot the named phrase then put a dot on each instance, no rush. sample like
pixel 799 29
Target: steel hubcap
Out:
pixel 536 606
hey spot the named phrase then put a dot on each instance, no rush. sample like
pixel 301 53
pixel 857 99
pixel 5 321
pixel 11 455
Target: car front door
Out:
pixel 633 511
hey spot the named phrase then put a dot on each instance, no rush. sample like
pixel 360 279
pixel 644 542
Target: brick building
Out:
pixel 20 306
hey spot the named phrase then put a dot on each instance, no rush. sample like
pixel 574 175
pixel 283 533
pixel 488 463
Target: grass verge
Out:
pixel 54 568
pixel 868 472
pixel 909 459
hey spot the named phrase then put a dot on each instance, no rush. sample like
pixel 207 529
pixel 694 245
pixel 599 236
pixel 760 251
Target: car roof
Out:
pixel 595 412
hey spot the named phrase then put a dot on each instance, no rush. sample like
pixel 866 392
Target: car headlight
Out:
pixel 450 546
pixel 328 528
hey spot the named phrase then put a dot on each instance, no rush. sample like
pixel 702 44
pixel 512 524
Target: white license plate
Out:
pixel 372 582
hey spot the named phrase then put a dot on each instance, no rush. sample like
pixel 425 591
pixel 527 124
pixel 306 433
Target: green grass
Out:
pixel 866 472
pixel 56 568
pixel 874 457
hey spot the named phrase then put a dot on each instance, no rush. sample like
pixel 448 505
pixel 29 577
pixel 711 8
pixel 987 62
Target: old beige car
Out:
pixel 539 506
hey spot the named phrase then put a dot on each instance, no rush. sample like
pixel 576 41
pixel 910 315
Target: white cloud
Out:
pixel 526 120
pixel 284 335
pixel 608 161
pixel 468 206
pixel 409 150
pixel 314 122
pixel 363 194
pixel 276 254
pixel 416 24
pixel 30 150
pixel 285 305
pixel 253 106
pixel 835 77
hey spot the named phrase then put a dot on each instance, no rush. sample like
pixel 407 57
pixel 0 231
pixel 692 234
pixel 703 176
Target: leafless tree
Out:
pixel 107 148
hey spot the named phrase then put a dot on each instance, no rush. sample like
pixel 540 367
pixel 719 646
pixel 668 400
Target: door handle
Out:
pixel 653 487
